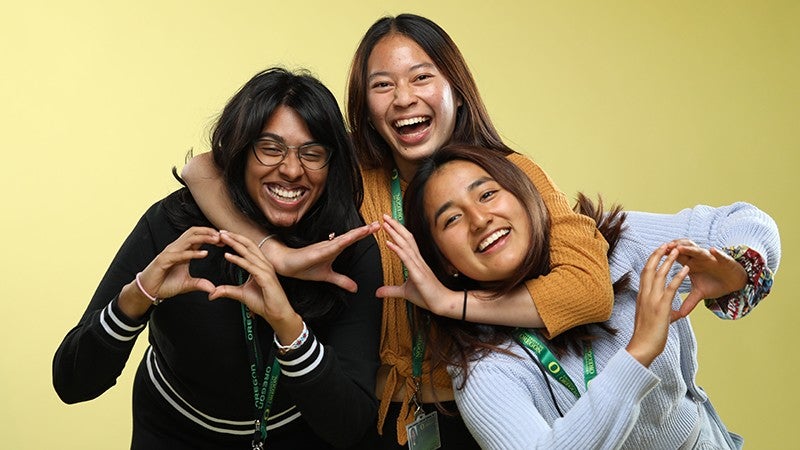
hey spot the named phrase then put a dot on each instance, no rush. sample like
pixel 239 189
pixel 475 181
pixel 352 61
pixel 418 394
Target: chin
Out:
pixel 284 220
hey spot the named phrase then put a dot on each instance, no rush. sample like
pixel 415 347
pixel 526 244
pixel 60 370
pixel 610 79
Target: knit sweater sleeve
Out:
pixel 736 224
pixel 501 405
pixel 94 352
pixel 578 288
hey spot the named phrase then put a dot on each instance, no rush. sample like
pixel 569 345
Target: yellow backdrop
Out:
pixel 657 105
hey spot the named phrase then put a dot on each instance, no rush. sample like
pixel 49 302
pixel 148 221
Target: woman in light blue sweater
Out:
pixel 479 224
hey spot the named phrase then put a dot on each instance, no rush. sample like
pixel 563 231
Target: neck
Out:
pixel 406 169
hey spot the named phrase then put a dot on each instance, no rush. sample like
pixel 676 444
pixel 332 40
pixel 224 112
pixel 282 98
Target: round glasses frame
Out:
pixel 270 153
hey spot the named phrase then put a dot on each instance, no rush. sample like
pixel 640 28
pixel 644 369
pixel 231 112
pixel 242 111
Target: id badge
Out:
pixel 423 432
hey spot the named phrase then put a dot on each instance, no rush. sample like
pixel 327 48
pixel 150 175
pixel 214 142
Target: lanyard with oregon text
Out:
pixel 263 391
pixel 551 364
pixel 418 347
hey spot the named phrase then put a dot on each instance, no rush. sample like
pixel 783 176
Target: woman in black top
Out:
pixel 271 361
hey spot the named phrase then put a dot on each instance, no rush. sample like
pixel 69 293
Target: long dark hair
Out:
pixel 456 342
pixel 232 137
pixel 473 125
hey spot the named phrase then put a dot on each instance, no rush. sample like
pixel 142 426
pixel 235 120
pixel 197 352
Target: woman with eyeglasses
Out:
pixel 239 356
pixel 629 382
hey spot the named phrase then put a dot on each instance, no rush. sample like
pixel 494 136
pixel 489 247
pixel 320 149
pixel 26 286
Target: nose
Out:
pixel 480 218
pixel 291 168
pixel 404 95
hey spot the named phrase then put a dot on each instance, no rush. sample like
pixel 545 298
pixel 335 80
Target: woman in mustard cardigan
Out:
pixel 410 92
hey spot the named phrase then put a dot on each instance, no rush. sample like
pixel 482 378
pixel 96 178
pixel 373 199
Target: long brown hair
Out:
pixel 457 342
pixel 473 125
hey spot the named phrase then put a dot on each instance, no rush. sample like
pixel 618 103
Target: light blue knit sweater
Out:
pixel 506 403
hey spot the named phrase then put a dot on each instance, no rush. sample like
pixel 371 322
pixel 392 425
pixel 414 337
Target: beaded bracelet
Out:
pixel 152 298
pixel 759 282
pixel 297 343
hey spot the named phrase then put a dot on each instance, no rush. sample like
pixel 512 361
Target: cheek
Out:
pixel 447 109
pixel 318 180
pixel 451 248
pixel 252 175
pixel 374 106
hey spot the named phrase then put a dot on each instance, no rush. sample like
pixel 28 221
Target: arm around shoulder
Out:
pixel 578 289
pixel 205 182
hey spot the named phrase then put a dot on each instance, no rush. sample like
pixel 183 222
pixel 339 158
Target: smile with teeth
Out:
pixel 411 121
pixel 492 238
pixel 285 194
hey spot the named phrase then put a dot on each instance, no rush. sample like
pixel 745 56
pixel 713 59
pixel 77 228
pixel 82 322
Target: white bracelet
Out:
pixel 297 343
pixel 266 238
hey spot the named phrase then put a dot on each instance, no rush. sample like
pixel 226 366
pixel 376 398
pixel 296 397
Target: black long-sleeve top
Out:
pixel 193 388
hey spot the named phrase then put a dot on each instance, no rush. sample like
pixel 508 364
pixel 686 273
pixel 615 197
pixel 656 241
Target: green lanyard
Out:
pixel 418 348
pixel 264 391
pixel 551 364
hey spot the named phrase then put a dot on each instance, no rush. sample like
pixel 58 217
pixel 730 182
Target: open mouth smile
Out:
pixel 286 195
pixel 491 239
pixel 412 124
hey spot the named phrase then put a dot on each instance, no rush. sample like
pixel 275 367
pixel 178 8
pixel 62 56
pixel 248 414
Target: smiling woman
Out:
pixel 287 186
pixel 473 208
pixel 514 387
pixel 272 359
pixel 411 104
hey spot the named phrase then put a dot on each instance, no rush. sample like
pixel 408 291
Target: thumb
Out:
pixel 343 282
pixel 224 291
pixel 687 306
pixel 201 284
pixel 389 291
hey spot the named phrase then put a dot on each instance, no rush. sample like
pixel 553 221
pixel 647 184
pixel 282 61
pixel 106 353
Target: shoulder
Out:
pixel 511 364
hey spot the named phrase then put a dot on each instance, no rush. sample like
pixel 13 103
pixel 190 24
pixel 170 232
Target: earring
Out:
pixel 455 275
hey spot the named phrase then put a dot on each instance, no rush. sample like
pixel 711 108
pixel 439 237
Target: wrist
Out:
pixel 644 358
pixel 274 250
pixel 132 302
pixel 287 341
pixel 451 306
pixel 287 329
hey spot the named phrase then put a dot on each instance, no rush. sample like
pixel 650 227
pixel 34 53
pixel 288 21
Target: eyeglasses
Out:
pixel 270 152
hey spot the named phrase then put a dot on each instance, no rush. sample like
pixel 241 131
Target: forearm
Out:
pixel 93 354
pixel 515 309
pixel 709 227
pixel 346 374
pixel 578 289
pixel 209 191
pixel 321 393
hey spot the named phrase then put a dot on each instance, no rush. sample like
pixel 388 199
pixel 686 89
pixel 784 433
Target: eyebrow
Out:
pixel 274 137
pixel 280 139
pixel 424 65
pixel 471 187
